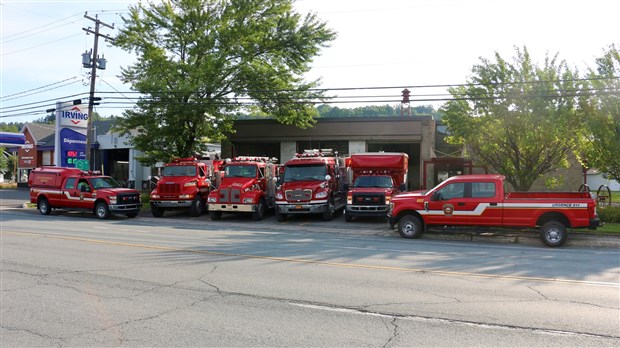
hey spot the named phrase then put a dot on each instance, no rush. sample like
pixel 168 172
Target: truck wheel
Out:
pixel 259 213
pixel 102 211
pixel 553 234
pixel 281 217
pixel 215 215
pixel 157 212
pixel 44 207
pixel 329 212
pixel 410 226
pixel 131 215
pixel 198 205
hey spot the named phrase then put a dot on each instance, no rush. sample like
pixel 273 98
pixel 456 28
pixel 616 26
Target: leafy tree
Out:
pixel 10 127
pixel 517 117
pixel 200 62
pixel 600 147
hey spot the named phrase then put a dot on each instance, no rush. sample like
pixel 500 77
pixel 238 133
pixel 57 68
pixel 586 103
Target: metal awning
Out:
pixel 12 139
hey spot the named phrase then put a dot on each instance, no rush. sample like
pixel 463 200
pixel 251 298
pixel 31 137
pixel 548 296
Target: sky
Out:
pixel 382 46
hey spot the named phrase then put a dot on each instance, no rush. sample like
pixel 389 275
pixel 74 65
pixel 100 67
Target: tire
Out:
pixel 215 215
pixel 259 213
pixel 102 211
pixel 131 215
pixel 157 212
pixel 197 207
pixel 281 217
pixel 44 207
pixel 553 234
pixel 347 217
pixel 329 212
pixel 410 227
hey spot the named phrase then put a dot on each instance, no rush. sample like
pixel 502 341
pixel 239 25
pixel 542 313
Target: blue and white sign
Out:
pixel 12 139
pixel 70 144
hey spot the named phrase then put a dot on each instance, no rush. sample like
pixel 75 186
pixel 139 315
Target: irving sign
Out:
pixel 73 117
pixel 71 127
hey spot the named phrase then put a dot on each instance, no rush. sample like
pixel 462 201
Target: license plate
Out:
pixel 298 207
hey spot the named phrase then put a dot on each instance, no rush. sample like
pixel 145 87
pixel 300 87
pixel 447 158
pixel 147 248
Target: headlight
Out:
pixel 322 194
pixel 247 200
pixel 388 199
pixel 279 195
pixel 349 200
pixel 211 200
pixel 185 196
pixel 154 196
pixel 112 199
pixel 391 207
pixel 189 184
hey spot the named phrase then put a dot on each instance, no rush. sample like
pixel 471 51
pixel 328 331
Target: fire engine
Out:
pixel 72 188
pixel 184 184
pixel 314 182
pixel 480 200
pixel 247 185
pixel 377 177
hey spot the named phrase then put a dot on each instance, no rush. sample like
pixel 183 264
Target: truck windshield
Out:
pixel 298 173
pixel 240 171
pixel 104 182
pixel 373 181
pixel 179 171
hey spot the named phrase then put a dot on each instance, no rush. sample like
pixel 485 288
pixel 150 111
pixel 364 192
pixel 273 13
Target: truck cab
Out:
pixel 377 177
pixel 247 185
pixel 184 185
pixel 314 182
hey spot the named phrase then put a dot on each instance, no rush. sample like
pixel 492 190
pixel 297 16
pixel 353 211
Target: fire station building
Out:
pixel 413 135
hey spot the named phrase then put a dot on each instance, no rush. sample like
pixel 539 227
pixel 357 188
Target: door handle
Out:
pixel 460 204
pixel 493 204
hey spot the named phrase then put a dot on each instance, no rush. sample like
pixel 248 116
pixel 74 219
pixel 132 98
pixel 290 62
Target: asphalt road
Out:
pixel 72 280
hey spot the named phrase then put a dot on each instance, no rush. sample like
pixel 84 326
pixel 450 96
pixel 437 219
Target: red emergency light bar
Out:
pixel 316 153
pixel 185 159
pixel 253 159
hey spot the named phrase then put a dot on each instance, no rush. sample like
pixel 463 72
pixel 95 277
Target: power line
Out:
pixel 35 89
pixel 39 45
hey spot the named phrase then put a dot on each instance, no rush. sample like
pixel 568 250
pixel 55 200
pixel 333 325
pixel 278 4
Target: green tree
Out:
pixel 200 62
pixel 600 146
pixel 517 117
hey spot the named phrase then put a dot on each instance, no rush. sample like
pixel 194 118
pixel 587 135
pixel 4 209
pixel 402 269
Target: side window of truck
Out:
pixel 202 172
pixel 70 184
pixel 483 190
pixel 456 190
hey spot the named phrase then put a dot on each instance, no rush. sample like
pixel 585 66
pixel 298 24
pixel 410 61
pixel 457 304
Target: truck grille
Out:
pixel 165 188
pixel 298 195
pixel 128 198
pixel 230 195
pixel 368 199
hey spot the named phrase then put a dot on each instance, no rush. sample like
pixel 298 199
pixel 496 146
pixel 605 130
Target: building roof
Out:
pixel 40 132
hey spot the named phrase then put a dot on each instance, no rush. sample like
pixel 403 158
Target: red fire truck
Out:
pixel 184 184
pixel 377 176
pixel 480 200
pixel 72 188
pixel 247 185
pixel 314 182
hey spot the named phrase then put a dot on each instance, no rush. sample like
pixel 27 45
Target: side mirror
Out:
pixel 402 187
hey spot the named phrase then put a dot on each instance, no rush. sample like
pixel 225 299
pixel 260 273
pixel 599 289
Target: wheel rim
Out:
pixel 553 234
pixel 43 206
pixel 101 211
pixel 408 229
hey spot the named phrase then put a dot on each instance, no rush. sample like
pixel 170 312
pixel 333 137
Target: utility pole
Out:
pixel 94 63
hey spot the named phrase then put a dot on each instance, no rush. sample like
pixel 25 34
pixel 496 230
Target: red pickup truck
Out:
pixel 481 200
pixel 72 188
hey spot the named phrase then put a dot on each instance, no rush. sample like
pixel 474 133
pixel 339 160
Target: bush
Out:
pixel 609 214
